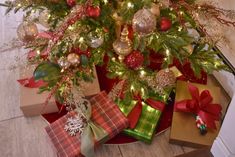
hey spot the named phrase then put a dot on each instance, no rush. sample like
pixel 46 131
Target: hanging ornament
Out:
pixel 96 39
pixel 73 59
pixel 189 48
pixel 165 24
pixel 134 60
pixel 123 46
pixel 43 18
pixel 165 78
pixel 118 24
pixel 27 31
pixel 155 9
pixel 71 3
pixel 144 22
pixel 63 63
pixel 93 11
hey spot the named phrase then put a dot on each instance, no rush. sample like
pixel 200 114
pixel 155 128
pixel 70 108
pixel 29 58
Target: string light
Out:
pixel 167 52
pixel 130 5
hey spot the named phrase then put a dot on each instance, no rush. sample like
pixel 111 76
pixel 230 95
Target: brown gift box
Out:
pixel 33 104
pixel 183 130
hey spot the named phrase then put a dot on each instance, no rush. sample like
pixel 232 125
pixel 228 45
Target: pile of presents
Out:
pixel 195 122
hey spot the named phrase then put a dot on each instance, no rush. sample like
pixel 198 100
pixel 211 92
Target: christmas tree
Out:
pixel 129 33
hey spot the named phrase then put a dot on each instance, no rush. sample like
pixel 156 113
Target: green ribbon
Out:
pixel 91 133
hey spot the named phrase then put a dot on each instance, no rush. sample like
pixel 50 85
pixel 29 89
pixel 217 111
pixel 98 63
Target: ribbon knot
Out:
pixel 135 113
pixel 91 132
pixel 200 105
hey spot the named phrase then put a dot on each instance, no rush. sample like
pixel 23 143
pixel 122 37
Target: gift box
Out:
pixel 105 114
pixel 33 104
pixel 200 101
pixel 149 117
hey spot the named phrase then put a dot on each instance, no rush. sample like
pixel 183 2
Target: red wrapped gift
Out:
pixel 104 113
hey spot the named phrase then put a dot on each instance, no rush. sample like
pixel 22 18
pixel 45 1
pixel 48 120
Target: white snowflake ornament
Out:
pixel 75 125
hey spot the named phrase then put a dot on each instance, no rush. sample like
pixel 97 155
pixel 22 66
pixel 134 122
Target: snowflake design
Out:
pixel 75 125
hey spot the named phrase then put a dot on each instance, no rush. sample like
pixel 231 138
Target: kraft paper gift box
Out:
pixel 184 130
pixel 105 114
pixel 33 104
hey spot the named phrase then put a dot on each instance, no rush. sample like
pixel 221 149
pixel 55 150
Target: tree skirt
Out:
pixel 163 124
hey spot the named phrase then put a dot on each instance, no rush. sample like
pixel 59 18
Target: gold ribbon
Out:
pixel 91 133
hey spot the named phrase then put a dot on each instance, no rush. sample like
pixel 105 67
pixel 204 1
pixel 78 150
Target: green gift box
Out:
pixel 148 120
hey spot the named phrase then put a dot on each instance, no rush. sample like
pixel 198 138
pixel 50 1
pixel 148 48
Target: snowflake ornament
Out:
pixel 75 125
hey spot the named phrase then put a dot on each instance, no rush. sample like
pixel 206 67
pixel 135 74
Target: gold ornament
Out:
pixel 189 49
pixel 118 24
pixel 123 46
pixel 43 18
pixel 73 59
pixel 27 31
pixel 155 9
pixel 165 78
pixel 144 22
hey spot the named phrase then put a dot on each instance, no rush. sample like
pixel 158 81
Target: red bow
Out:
pixel 135 113
pixel 31 83
pixel 201 106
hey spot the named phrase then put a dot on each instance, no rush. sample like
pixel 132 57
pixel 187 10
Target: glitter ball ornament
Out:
pixel 96 39
pixel 123 46
pixel 43 18
pixel 63 63
pixel 27 31
pixel 165 24
pixel 93 11
pixel 71 3
pixel 73 59
pixel 144 22
pixel 134 60
pixel 165 78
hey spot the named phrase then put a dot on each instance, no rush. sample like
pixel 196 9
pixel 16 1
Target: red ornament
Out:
pixel 93 11
pixel 134 60
pixel 165 24
pixel 71 3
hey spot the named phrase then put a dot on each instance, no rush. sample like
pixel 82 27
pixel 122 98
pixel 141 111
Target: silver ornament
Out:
pixel 63 63
pixel 144 22
pixel 95 39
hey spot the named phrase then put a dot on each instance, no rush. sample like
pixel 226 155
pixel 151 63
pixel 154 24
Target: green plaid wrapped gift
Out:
pixel 148 120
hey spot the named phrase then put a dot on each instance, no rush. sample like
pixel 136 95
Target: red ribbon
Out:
pixel 135 113
pixel 31 83
pixel 200 105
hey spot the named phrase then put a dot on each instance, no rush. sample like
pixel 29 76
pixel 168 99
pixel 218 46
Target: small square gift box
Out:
pixel 79 131
pixel 196 115
pixel 143 117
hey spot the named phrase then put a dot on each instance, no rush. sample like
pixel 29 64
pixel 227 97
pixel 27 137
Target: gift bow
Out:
pixel 91 132
pixel 200 105
pixel 135 113
pixel 32 83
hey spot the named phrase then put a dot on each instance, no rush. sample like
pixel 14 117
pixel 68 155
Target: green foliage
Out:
pixel 48 72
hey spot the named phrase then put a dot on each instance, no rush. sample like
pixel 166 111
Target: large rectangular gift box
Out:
pixel 184 130
pixel 105 113
pixel 33 104
pixel 148 120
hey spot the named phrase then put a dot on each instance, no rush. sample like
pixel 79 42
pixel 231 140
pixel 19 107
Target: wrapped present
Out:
pixel 196 106
pixel 33 104
pixel 143 117
pixel 105 122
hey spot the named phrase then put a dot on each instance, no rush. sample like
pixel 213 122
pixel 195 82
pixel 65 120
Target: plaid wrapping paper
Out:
pixel 105 113
pixel 147 123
